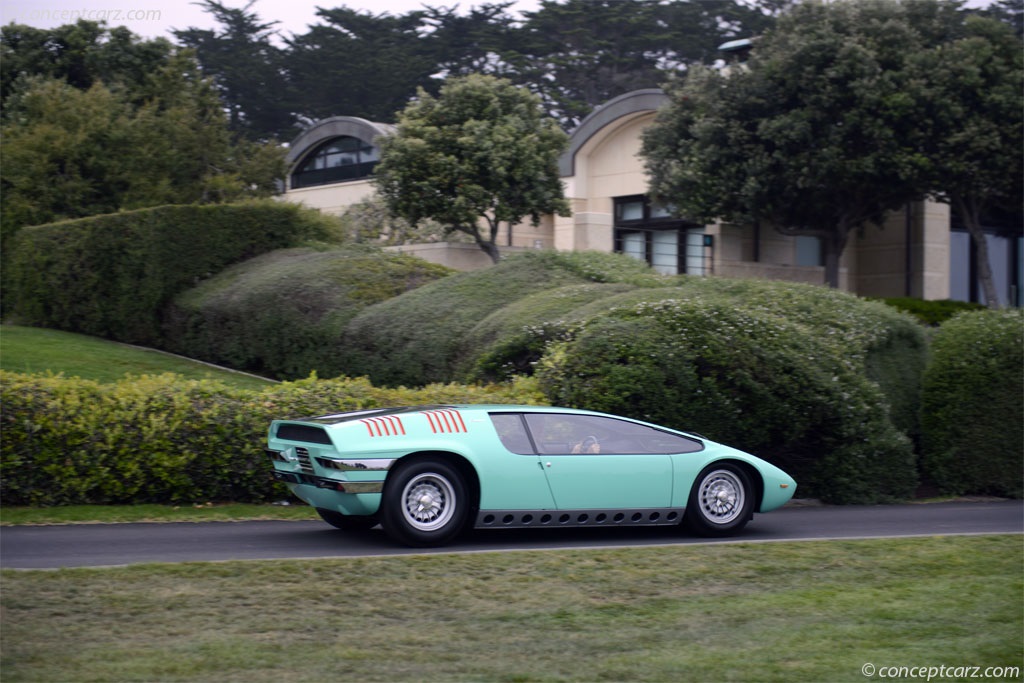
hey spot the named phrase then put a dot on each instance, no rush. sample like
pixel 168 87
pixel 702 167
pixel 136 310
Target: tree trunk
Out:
pixel 971 216
pixel 834 243
pixel 491 249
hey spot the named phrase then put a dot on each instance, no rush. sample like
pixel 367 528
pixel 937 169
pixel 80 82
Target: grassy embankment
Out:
pixel 35 350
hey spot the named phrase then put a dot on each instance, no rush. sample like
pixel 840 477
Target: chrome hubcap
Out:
pixel 721 496
pixel 428 501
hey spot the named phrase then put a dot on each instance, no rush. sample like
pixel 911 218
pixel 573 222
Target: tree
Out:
pixel 1007 11
pixel 247 68
pixel 359 64
pixel 480 152
pixel 69 153
pixel 975 129
pixel 80 54
pixel 578 54
pixel 818 136
pixel 472 43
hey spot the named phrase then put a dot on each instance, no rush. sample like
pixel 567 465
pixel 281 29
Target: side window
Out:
pixel 557 434
pixel 512 432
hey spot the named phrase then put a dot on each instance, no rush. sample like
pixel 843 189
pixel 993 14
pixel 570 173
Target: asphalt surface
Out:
pixel 97 545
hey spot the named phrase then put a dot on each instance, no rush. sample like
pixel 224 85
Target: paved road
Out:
pixel 93 545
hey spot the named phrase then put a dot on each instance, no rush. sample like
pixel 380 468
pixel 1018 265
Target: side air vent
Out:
pixel 305 433
pixel 508 519
pixel 305 463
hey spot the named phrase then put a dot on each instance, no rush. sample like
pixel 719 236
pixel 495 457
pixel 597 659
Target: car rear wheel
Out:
pixel 424 503
pixel 347 522
pixel 721 501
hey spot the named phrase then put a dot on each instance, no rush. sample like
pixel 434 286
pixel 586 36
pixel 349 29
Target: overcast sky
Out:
pixel 153 18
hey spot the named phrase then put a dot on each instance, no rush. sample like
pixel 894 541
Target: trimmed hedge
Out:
pixel 112 276
pixel 162 439
pixel 747 378
pixel 888 347
pixel 426 335
pixel 283 314
pixel 973 419
pixel 512 339
pixel 932 313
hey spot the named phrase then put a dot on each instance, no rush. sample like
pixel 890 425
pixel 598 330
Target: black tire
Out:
pixel 424 503
pixel 721 501
pixel 347 522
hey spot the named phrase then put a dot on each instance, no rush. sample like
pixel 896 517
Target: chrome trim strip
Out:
pixel 363 465
pixel 363 486
pixel 519 519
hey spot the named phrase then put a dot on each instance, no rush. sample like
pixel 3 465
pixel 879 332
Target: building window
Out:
pixel 646 230
pixel 335 161
pixel 809 251
pixel 1006 260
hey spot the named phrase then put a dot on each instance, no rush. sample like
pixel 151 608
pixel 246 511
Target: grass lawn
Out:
pixel 37 350
pixel 810 611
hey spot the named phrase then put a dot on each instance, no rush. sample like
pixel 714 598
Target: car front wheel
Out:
pixel 424 503
pixel 721 501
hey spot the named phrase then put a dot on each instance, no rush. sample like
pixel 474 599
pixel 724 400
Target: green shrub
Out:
pixel 747 378
pixel 112 276
pixel 888 346
pixel 511 340
pixel 283 314
pixel 425 335
pixel 931 313
pixel 162 439
pixel 972 415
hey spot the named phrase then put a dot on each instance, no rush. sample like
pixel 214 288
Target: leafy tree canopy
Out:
pixel 247 67
pixel 821 132
pixel 81 55
pixel 575 54
pixel 579 54
pixel 482 152
pixel 975 130
pixel 70 152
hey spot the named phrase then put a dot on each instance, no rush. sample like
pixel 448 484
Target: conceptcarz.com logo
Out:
pixel 111 15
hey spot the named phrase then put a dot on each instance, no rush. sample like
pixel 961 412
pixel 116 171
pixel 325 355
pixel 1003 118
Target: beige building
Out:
pixel 915 254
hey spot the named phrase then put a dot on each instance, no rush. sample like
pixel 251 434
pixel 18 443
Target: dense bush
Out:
pixel 749 379
pixel 511 340
pixel 889 348
pixel 162 439
pixel 425 335
pixel 283 314
pixel 973 419
pixel 112 276
pixel 932 313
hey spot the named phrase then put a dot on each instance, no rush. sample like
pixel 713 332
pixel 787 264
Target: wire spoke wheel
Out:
pixel 721 501
pixel 425 503
pixel 721 496
pixel 428 502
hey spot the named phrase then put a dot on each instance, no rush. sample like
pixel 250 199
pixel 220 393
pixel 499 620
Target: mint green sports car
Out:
pixel 426 473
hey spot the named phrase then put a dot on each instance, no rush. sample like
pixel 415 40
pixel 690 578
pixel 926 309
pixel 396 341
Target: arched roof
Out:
pixel 627 105
pixel 333 127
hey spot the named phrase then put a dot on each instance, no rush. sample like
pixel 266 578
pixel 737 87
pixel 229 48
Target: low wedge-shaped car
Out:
pixel 426 473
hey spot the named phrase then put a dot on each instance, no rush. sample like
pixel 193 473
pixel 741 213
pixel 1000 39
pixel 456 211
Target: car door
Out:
pixel 595 462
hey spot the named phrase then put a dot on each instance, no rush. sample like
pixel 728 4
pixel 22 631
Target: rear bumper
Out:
pixel 303 479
